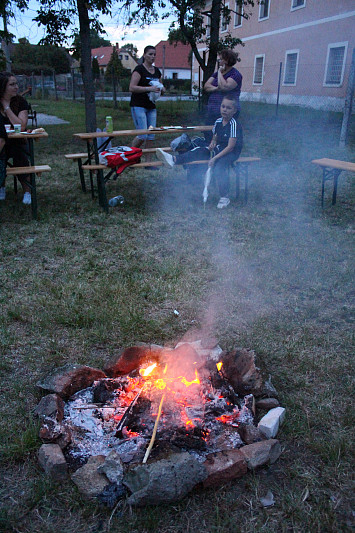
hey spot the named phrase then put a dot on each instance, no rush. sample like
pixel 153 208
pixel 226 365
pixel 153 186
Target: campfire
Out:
pixel 155 406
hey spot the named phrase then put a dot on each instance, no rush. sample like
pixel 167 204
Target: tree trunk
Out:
pixel 86 70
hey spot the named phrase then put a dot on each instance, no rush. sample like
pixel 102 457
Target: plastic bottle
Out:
pixel 109 125
pixel 116 200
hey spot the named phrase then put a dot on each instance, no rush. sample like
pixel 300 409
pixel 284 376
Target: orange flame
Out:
pixel 188 383
pixel 160 384
pixel 147 371
pixel 219 366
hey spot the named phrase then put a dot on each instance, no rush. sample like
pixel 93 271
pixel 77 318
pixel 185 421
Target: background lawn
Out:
pixel 275 276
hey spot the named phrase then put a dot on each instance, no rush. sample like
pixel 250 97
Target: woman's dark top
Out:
pixel 17 104
pixel 142 99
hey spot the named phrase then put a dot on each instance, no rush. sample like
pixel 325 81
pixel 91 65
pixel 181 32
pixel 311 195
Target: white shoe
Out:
pixel 166 158
pixel 27 198
pixel 223 202
pixel 2 193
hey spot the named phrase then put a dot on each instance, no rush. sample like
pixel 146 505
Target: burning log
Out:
pixel 118 433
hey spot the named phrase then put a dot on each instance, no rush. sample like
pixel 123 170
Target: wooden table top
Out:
pixel 24 135
pixel 158 130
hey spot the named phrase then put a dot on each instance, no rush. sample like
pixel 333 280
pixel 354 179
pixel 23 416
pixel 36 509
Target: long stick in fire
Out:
pixel 147 453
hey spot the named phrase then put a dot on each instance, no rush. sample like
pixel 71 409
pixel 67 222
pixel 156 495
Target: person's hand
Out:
pixel 222 69
pixel 211 162
pixel 154 89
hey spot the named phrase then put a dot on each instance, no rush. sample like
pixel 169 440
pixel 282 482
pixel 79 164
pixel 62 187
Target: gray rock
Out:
pixel 270 423
pixel 224 466
pixel 250 434
pixel 52 460
pixel 50 406
pixel 52 431
pixel 87 478
pixel 112 467
pixel 69 379
pixel 240 370
pixel 261 453
pixel 167 480
pixel 267 403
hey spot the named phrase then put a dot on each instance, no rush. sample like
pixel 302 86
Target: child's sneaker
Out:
pixel 166 158
pixel 223 202
pixel 2 193
pixel 27 198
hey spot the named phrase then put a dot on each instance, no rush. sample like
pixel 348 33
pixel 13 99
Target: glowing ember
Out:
pixel 188 383
pixel 160 384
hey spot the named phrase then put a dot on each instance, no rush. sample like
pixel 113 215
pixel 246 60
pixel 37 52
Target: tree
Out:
pixel 190 26
pixel 59 15
pixel 96 41
pixel 95 69
pixel 28 58
pixel 115 67
pixel 133 50
pixel 7 10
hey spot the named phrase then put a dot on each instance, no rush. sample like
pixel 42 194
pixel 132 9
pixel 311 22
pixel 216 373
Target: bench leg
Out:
pixel 81 174
pixel 33 196
pixel 330 174
pixel 237 181
pixel 335 187
pixel 102 190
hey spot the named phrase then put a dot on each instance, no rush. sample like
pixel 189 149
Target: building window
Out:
pixel 120 56
pixel 224 23
pixel 297 4
pixel 175 75
pixel 238 15
pixel 126 57
pixel 291 65
pixel 258 70
pixel 334 69
pixel 264 9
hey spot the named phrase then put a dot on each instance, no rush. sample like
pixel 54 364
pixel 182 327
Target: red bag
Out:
pixel 120 157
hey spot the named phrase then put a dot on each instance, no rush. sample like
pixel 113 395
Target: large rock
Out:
pixel 132 358
pixel 224 466
pixel 240 370
pixel 52 460
pixel 50 406
pixel 167 480
pixel 250 433
pixel 112 467
pixel 89 481
pixel 261 453
pixel 69 379
pixel 52 431
pixel 270 423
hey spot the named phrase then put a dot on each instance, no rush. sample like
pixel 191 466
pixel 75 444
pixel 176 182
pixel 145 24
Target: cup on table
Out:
pixel 17 128
pixel 8 127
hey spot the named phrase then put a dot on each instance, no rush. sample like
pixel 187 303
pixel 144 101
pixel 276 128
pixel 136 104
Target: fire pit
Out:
pixel 158 421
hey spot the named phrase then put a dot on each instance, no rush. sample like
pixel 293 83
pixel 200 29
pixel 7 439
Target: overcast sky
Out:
pixel 23 26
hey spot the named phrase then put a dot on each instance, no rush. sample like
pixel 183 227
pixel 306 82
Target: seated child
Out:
pixel 226 145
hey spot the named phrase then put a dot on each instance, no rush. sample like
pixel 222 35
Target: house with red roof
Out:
pixel 104 53
pixel 173 60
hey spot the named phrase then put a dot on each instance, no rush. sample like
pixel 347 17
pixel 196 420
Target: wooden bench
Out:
pixel 241 167
pixel 33 171
pixel 79 157
pixel 332 168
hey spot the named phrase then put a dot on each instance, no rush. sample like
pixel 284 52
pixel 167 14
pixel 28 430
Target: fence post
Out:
pixel 73 82
pixel 278 90
pixel 348 103
pixel 55 84
pixel 42 84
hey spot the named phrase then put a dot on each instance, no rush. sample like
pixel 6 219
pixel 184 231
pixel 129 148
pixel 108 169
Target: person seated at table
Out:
pixel 13 110
pixel 224 149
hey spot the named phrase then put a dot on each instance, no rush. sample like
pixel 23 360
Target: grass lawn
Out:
pixel 275 276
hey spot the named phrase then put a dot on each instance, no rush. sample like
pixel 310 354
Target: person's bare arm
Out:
pixel 21 118
pixel 209 88
pixel 225 85
pixel 135 88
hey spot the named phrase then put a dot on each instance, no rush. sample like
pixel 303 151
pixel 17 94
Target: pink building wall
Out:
pixel 309 31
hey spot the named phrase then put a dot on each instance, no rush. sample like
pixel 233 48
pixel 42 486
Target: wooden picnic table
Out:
pixel 93 153
pixel 33 169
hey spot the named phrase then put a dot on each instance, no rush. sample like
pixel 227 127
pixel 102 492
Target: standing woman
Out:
pixel 227 80
pixel 143 108
pixel 13 110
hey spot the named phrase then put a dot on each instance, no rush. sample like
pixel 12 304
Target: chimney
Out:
pixel 116 46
